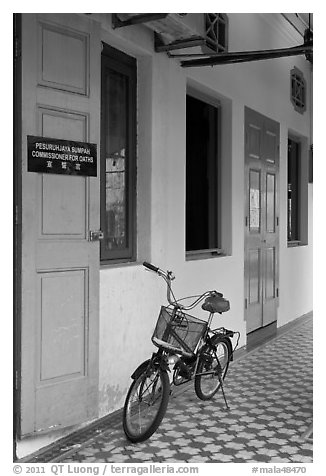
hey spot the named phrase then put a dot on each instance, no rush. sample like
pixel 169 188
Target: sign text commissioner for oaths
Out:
pixel 58 156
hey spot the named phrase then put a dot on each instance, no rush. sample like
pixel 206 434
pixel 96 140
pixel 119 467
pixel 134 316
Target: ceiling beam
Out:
pixel 246 56
pixel 178 44
pixel 136 19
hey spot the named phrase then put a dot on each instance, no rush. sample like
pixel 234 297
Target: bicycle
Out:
pixel 187 343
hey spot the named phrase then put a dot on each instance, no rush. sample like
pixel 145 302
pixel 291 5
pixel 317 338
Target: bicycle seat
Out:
pixel 216 303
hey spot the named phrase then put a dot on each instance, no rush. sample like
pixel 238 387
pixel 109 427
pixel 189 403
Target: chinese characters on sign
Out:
pixel 56 156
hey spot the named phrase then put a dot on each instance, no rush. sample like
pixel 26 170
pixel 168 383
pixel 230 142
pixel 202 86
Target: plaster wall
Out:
pixel 130 297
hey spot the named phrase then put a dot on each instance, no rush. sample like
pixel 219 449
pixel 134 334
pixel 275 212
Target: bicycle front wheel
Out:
pixel 207 383
pixel 146 404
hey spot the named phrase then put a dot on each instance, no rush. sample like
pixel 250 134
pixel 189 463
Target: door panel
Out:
pixel 71 125
pixel 270 203
pixel 261 226
pixel 64 57
pixel 270 145
pixel 63 324
pixel 254 140
pixel 254 276
pixel 60 269
pixel 64 210
pixel 254 201
pixel 270 277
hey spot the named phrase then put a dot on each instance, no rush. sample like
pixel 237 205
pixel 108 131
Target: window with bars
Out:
pixel 298 90
pixel 217 31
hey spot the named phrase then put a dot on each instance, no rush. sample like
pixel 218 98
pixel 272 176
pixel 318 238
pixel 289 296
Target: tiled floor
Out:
pixel 270 394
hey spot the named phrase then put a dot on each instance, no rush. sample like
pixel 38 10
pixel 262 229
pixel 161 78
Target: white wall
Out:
pixel 130 297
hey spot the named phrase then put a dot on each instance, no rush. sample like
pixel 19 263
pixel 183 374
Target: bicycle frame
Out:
pixel 205 340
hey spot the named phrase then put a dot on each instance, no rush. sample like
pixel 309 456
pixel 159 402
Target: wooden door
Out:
pixel 60 266
pixel 261 219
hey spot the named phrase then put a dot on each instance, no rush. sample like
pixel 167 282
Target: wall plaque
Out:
pixel 57 156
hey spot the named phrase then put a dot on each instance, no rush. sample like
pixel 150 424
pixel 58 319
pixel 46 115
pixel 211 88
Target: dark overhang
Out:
pixel 175 32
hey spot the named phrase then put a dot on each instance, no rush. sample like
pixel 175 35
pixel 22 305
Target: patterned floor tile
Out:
pixel 270 394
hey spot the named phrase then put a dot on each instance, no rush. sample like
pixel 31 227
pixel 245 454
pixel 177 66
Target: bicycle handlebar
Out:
pixel 150 266
pixel 168 277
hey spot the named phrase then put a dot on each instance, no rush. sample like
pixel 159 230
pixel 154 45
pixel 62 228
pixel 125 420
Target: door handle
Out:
pixel 96 235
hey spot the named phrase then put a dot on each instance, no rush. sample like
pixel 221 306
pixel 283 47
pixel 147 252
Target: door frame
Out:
pixel 248 111
pixel 17 208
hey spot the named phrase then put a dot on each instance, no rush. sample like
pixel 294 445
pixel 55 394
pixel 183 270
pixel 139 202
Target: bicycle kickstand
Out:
pixel 224 396
pixel 222 388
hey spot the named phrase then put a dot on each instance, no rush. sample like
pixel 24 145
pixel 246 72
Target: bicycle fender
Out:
pixel 140 369
pixel 162 363
pixel 230 348
pixel 228 343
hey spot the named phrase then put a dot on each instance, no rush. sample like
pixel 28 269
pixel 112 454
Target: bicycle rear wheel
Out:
pixel 146 404
pixel 211 363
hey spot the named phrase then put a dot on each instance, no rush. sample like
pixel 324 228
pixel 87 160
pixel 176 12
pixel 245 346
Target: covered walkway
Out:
pixel 269 390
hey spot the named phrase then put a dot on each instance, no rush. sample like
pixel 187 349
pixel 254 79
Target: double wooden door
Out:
pixel 261 220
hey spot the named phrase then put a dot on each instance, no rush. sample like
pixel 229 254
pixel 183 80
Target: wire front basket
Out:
pixel 177 331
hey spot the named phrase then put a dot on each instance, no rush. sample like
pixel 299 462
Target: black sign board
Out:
pixel 57 156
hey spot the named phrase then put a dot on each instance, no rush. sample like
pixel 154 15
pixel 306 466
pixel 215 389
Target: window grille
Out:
pixel 217 31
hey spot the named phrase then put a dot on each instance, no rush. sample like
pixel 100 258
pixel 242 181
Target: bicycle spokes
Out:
pixel 212 369
pixel 144 403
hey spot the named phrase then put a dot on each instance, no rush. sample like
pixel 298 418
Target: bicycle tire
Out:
pixel 156 382
pixel 207 386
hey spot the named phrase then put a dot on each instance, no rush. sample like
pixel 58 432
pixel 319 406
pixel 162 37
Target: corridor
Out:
pixel 269 391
